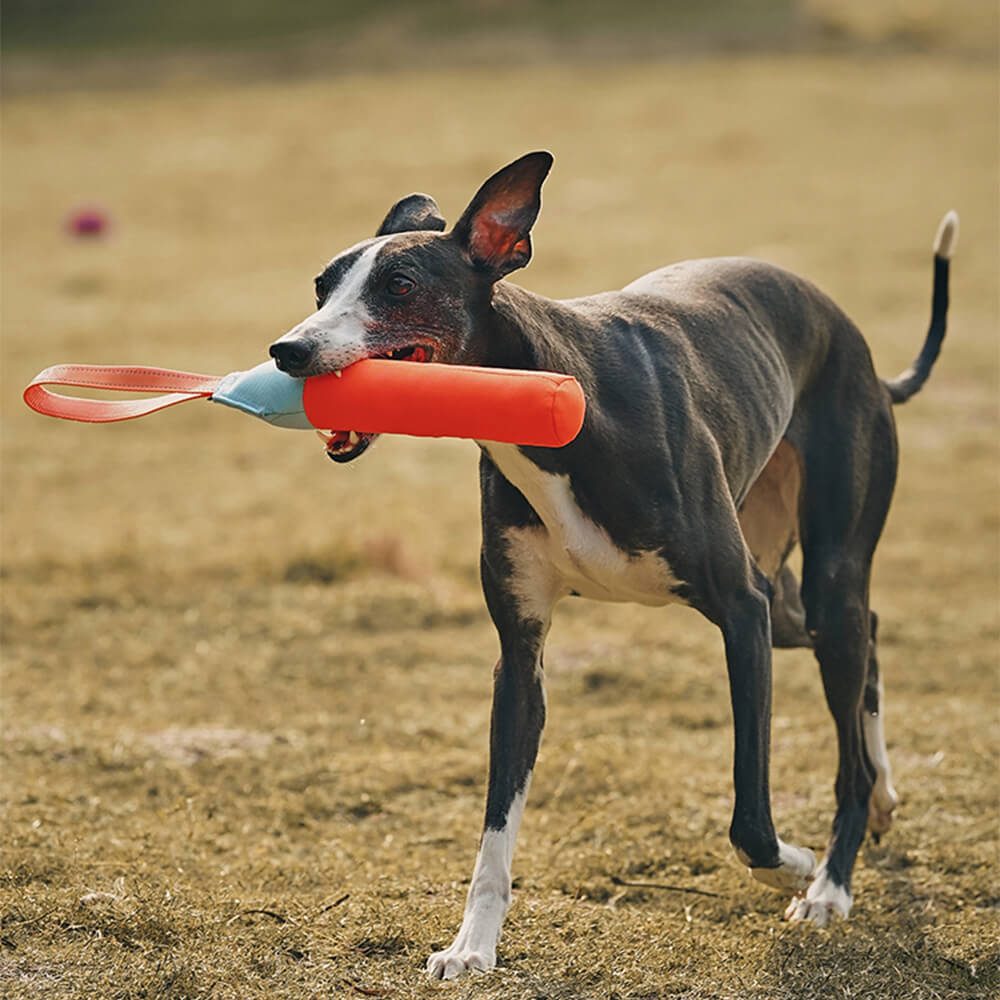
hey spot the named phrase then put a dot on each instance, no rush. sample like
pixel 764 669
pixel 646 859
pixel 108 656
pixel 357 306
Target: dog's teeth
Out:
pixel 353 437
pixel 338 373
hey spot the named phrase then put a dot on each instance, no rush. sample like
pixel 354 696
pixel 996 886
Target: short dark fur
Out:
pixel 693 374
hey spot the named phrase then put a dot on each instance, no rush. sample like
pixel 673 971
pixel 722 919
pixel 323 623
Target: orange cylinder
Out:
pixel 377 396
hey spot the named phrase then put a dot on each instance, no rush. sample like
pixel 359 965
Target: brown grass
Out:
pixel 245 693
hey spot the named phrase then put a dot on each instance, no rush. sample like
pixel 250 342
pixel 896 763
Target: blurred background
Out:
pixel 198 608
pixel 226 151
pixel 292 37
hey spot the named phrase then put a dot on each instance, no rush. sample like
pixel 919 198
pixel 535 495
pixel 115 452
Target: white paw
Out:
pixel 819 903
pixel 457 960
pixel 794 870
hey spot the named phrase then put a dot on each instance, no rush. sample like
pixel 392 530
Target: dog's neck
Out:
pixel 527 330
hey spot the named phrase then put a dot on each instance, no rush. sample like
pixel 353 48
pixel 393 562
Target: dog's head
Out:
pixel 415 292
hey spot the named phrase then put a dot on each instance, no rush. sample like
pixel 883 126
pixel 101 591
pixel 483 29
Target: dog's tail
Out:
pixel 911 381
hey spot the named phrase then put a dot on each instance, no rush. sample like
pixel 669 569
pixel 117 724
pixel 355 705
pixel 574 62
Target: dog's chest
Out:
pixel 570 553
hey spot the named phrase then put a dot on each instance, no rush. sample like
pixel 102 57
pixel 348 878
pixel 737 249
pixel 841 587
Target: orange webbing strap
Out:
pixel 178 386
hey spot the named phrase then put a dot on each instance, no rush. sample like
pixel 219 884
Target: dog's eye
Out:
pixel 400 284
pixel 320 292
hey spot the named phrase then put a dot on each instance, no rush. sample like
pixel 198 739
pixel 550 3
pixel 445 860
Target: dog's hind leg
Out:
pixel 840 626
pixel 768 520
pixel 883 798
pixel 788 616
pixel 850 482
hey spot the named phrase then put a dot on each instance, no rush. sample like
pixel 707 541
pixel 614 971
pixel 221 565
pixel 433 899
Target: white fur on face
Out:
pixel 339 328
pixel 475 946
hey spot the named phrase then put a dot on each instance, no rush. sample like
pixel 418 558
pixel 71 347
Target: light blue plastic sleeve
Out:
pixel 267 393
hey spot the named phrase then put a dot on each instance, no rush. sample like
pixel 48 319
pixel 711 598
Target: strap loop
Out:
pixel 178 386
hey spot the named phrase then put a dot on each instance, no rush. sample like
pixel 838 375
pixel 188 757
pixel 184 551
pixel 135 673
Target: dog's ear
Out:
pixel 412 214
pixel 495 229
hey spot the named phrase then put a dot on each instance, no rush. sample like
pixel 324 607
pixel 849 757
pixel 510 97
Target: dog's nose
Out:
pixel 291 355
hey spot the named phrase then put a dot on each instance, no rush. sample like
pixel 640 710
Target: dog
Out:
pixel 733 414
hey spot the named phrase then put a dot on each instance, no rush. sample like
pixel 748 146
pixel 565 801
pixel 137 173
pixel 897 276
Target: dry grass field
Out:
pixel 245 692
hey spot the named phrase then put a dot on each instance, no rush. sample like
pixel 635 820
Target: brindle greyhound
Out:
pixel 733 412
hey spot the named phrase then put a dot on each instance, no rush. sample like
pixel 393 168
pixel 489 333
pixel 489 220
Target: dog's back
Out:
pixel 655 354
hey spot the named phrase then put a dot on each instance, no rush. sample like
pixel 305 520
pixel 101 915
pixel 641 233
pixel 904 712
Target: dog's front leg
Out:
pixel 746 630
pixel 515 732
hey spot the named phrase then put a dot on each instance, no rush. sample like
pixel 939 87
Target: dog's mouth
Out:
pixel 345 446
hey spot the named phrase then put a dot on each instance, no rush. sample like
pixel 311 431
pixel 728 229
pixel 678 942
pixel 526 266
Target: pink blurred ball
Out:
pixel 87 222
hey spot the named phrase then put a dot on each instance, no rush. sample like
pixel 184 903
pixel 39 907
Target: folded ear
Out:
pixel 494 230
pixel 411 214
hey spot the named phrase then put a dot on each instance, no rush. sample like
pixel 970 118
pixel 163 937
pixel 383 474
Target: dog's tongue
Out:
pixel 340 441
pixel 334 437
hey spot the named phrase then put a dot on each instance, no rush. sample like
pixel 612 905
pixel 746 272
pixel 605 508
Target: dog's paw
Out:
pixel 457 960
pixel 794 870
pixel 881 806
pixel 823 900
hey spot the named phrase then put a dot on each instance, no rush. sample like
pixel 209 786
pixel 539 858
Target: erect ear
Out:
pixel 494 230
pixel 411 214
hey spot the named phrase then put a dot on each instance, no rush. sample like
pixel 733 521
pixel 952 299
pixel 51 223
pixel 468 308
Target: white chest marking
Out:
pixel 570 553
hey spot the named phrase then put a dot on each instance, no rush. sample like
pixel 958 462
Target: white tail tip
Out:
pixel 947 235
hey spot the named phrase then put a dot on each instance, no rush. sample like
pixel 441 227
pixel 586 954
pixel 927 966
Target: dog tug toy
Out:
pixel 374 396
